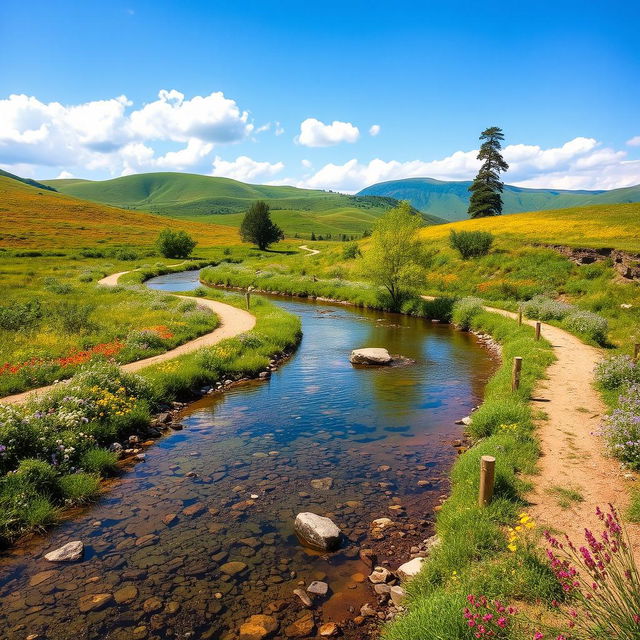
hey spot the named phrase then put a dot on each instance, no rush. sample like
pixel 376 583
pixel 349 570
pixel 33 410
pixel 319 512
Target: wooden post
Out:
pixel 538 328
pixel 487 476
pixel 520 316
pixel 248 296
pixel 515 373
pixel 636 351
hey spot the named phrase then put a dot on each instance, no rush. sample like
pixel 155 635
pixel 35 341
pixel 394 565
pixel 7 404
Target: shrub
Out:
pixel 464 310
pixel 55 286
pixel 621 428
pixel 175 244
pixel 39 513
pixel 350 251
pixel 544 308
pixel 144 340
pixel 72 317
pixel 616 371
pixel 125 254
pixel 100 461
pixel 20 316
pixel 78 488
pixel 471 244
pixel 588 324
pixel 187 305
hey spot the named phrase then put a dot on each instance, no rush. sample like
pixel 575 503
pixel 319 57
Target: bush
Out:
pixel 616 371
pixel 187 305
pixel 175 244
pixel 350 251
pixel 55 286
pixel 622 428
pixel 39 476
pixel 588 324
pixel 144 340
pixel 544 308
pixel 79 488
pixel 127 255
pixel 72 317
pixel 471 244
pixel 20 316
pixel 464 310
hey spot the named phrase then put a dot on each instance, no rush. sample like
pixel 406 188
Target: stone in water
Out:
pixel 317 532
pixel 373 355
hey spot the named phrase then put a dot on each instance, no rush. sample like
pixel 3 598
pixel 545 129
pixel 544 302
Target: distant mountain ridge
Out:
pixel 29 181
pixel 450 200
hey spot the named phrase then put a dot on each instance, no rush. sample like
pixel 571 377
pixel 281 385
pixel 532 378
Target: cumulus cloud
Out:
pixel 634 142
pixel 581 163
pixel 245 169
pixel 374 129
pixel 314 133
pixel 111 135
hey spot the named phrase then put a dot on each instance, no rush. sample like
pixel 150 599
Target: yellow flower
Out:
pixel 512 547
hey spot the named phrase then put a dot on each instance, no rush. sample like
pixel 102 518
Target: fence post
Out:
pixel 636 351
pixel 520 316
pixel 538 328
pixel 487 477
pixel 515 373
pixel 248 296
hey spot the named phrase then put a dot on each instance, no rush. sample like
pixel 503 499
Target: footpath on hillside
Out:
pixel 572 454
pixel 232 322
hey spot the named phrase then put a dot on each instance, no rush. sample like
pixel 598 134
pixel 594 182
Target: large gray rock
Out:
pixel 68 553
pixel 410 569
pixel 372 355
pixel 317 532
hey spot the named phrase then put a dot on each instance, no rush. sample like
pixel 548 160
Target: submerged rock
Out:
pixel 372 355
pixel 317 532
pixel 68 553
pixel 258 627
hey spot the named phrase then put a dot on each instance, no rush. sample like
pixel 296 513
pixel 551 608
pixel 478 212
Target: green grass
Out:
pixel 565 496
pixel 223 201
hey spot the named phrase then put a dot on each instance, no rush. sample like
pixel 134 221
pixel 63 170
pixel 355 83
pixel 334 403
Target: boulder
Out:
pixel 398 595
pixel 372 355
pixel 317 532
pixel 68 553
pixel 410 569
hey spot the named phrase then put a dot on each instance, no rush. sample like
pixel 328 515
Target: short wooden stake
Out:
pixel 515 373
pixel 248 296
pixel 520 316
pixel 538 328
pixel 487 477
pixel 636 351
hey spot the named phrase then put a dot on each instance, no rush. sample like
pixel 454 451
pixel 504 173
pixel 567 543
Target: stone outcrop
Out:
pixel 626 264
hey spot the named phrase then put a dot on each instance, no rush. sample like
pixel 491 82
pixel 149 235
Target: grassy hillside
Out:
pixel 36 218
pixel 608 225
pixel 222 200
pixel 29 181
pixel 449 200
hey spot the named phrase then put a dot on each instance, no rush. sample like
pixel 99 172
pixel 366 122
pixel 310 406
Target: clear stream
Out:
pixel 374 432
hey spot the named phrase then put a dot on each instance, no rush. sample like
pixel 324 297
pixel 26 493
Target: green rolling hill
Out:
pixel 224 201
pixel 449 200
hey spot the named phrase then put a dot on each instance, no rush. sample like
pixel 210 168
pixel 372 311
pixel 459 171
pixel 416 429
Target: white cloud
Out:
pixel 581 163
pixel 314 133
pixel 634 142
pixel 374 129
pixel 245 169
pixel 64 175
pixel 306 163
pixel 112 136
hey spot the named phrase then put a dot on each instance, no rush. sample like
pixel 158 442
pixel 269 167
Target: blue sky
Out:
pixel 287 92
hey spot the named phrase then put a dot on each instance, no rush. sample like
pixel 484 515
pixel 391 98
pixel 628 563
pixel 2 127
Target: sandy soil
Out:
pixel 233 321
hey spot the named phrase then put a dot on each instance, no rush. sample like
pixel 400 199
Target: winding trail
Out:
pixel 312 252
pixel 233 321
pixel 572 456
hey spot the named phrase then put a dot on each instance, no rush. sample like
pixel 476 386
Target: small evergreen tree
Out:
pixel 257 226
pixel 486 189
pixel 175 244
pixel 313 235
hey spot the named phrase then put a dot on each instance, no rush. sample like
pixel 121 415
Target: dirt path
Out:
pixel 233 321
pixel 572 457
pixel 312 252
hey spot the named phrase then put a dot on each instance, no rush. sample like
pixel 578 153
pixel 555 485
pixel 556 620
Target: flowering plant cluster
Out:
pixel 488 619
pixel 602 577
pixel 516 535
pixel 621 428
pixel 617 371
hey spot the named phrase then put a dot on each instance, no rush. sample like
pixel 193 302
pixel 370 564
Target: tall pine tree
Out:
pixel 486 189
pixel 257 226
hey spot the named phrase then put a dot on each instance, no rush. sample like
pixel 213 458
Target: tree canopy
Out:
pixel 396 259
pixel 486 188
pixel 175 244
pixel 257 226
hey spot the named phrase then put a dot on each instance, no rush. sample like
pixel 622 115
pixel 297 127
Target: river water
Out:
pixel 228 487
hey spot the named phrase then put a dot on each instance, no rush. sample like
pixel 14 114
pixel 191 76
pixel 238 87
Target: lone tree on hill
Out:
pixel 257 226
pixel 175 244
pixel 486 189
pixel 396 259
